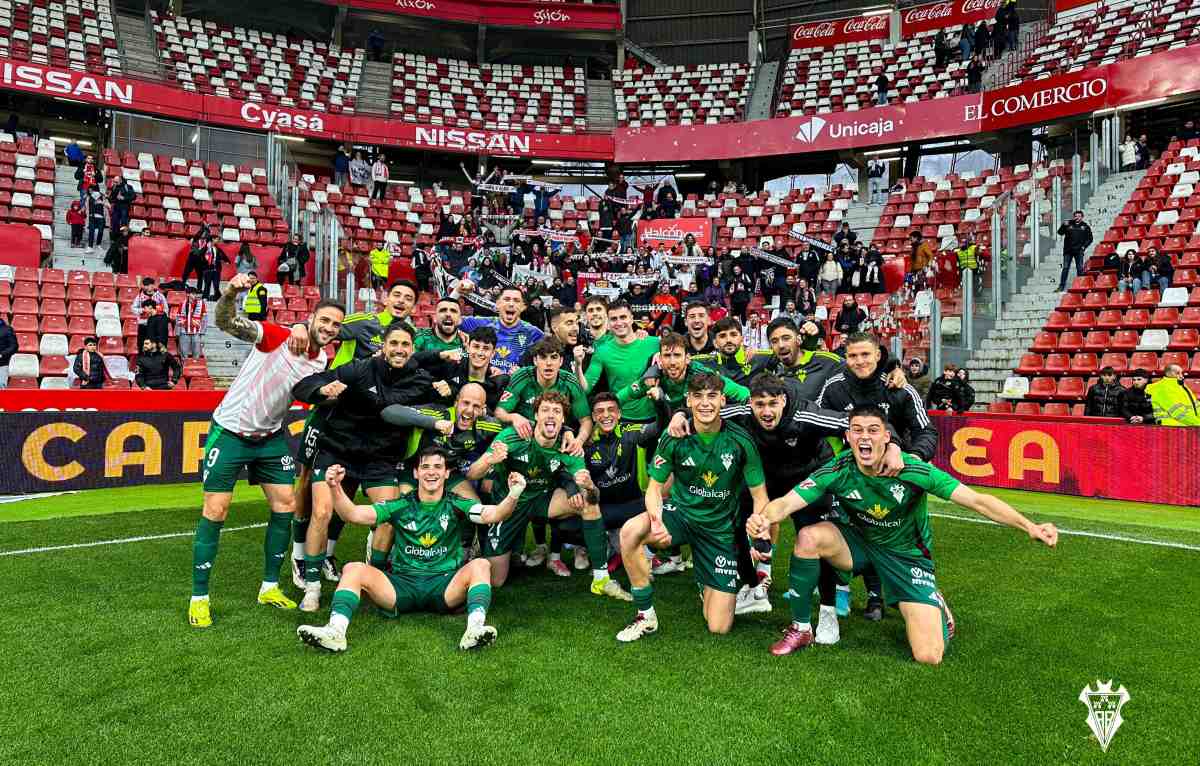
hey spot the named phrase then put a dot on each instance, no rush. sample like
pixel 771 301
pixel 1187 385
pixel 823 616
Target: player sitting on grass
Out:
pixel 427 573
pixel 247 431
pixel 545 466
pixel 888 528
pixel 710 467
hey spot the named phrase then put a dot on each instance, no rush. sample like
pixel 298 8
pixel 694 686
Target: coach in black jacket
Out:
pixel 353 429
pixel 865 385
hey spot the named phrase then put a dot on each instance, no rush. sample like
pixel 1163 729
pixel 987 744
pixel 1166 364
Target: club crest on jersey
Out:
pixel 792 442
pixel 878 511
pixel 444 520
pixel 726 460
pixel 554 464
pixel 897 491
pixel 709 477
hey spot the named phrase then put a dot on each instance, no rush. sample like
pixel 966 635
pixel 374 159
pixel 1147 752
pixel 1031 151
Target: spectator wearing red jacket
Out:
pixel 76 219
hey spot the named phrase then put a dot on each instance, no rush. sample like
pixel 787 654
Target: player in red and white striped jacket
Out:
pixel 247 431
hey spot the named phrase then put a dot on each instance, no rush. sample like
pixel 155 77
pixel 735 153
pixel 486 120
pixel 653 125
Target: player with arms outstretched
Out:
pixel 888 527
pixel 427 572
pixel 710 468
pixel 247 432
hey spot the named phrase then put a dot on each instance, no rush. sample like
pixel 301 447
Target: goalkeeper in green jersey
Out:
pixel 427 572
pixel 887 527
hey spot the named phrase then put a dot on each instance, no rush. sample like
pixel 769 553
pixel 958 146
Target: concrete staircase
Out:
pixel 1001 349
pixel 863 220
pixel 375 88
pixel 601 108
pixel 642 53
pixel 139 48
pixel 223 352
pixel 63 256
pixel 762 95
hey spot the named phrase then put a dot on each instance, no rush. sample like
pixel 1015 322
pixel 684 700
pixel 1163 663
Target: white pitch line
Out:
pixel 142 539
pixel 1080 533
pixel 148 538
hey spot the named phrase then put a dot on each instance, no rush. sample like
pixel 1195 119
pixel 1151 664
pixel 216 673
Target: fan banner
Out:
pixel 670 232
pixel 556 15
pixel 1069 456
pixel 826 34
pixel 953 13
pixel 63 451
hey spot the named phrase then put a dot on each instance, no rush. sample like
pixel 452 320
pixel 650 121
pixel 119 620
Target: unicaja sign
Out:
pixel 811 130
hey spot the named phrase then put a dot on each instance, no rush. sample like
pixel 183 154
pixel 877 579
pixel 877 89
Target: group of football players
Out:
pixel 464 435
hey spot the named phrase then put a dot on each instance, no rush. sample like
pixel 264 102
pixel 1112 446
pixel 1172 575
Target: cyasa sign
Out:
pixel 826 34
pixel 953 13
pixel 670 232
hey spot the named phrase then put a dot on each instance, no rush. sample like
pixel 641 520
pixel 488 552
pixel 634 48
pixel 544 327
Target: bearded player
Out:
pixel 247 432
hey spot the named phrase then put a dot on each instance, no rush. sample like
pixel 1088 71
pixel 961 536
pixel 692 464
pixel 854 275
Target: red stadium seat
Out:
pixel 1070 388
pixel 1031 364
pixel 1117 361
pixel 1083 364
pixel 1184 339
pixel 1096 340
pixel 1056 408
pixel 1058 364
pixel 1028 408
pixel 1041 388
pixel 1124 340
pixel 1046 342
pixel 1070 341
pixel 1000 407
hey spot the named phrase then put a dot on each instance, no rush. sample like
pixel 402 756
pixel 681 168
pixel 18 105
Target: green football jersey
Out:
pixel 541 466
pixel 676 390
pixel 523 388
pixel 709 477
pixel 622 364
pixel 428 536
pixel 891 512
pixel 428 340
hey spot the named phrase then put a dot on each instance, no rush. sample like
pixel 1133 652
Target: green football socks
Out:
pixel 479 598
pixel 312 568
pixel 643 598
pixel 345 602
pixel 275 545
pixel 802 578
pixel 204 553
pixel 379 559
pixel 597 544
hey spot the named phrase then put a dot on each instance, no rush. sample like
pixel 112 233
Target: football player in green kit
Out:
pixel 558 486
pixel 710 468
pixel 427 572
pixel 888 527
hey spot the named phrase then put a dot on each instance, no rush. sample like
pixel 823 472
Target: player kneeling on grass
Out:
pixel 888 527
pixel 427 574
pixel 710 467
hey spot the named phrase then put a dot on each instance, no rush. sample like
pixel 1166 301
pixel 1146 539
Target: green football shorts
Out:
pixel 714 555
pixel 904 578
pixel 419 593
pixel 267 461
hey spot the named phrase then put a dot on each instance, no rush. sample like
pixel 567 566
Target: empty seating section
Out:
pixel 943 208
pixel 77 34
pixel 176 196
pixel 27 185
pixel 1096 325
pixel 842 78
pixel 457 93
pixel 742 220
pixel 681 95
pixel 207 57
pixel 1103 34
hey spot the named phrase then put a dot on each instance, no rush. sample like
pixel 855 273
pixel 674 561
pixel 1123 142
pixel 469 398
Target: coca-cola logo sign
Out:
pixel 829 33
pixel 545 16
pixel 946 14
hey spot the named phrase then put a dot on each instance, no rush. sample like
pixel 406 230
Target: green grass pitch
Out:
pixel 101 666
